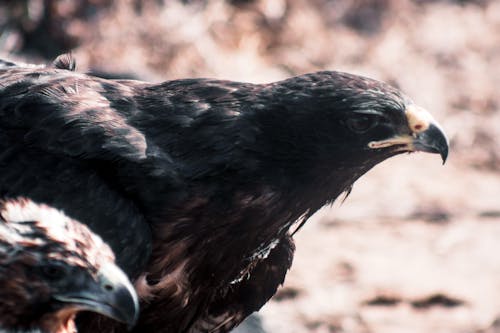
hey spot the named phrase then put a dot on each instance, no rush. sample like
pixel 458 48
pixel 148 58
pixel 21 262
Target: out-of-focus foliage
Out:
pixel 46 27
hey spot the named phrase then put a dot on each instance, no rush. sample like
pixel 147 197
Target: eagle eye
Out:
pixel 53 271
pixel 361 124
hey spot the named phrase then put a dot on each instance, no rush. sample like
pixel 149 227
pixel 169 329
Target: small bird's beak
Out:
pixel 425 135
pixel 112 295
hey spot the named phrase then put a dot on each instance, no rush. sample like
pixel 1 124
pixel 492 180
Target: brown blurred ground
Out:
pixel 416 247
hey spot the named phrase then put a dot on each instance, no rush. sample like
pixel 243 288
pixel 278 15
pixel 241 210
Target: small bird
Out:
pixel 51 268
pixel 198 185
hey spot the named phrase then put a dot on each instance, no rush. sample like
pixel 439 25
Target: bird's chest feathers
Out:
pixel 226 235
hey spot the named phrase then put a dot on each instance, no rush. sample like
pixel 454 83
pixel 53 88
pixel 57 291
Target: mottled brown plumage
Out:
pixel 52 267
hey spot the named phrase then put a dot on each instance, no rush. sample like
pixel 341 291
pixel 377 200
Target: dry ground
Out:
pixel 416 247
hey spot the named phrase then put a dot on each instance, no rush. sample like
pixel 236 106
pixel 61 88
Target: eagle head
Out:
pixel 342 124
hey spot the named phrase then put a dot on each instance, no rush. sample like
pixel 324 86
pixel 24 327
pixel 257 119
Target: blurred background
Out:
pixel 416 247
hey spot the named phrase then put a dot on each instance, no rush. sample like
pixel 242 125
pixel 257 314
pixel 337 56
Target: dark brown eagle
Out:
pixel 52 267
pixel 197 184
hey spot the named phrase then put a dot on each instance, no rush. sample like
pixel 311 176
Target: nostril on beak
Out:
pixel 108 287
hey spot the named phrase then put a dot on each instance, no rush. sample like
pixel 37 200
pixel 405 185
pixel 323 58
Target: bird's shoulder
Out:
pixel 69 113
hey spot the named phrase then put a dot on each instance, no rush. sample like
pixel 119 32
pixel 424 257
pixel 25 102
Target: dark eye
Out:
pixel 361 124
pixel 53 271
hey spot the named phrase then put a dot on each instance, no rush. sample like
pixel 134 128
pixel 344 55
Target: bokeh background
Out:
pixel 416 246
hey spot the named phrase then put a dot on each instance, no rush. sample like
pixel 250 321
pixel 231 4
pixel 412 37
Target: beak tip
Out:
pixel 128 306
pixel 134 318
pixel 121 294
pixel 444 155
pixel 433 140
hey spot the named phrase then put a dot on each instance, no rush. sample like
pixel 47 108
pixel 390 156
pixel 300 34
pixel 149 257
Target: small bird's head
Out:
pixel 52 267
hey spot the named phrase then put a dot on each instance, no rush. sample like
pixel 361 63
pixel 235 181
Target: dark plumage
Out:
pixel 219 171
pixel 52 267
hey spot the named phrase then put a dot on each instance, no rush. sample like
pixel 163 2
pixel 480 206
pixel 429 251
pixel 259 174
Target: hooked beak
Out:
pixel 432 140
pixel 425 135
pixel 112 295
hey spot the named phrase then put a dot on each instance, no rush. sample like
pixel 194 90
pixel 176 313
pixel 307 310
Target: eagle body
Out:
pixel 196 183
